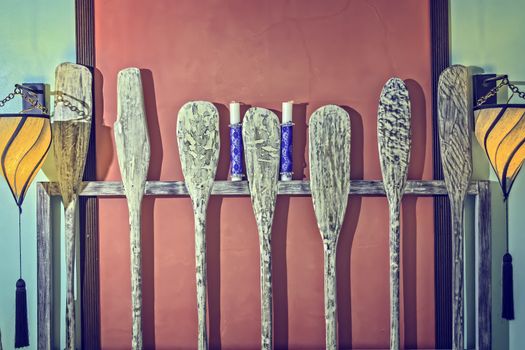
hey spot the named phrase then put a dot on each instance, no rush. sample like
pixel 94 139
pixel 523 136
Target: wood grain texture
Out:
pixel 133 152
pixel 261 134
pixel 70 141
pixel 44 241
pixel 484 268
pixel 229 188
pixel 393 135
pixel 199 144
pixel 329 152
pixel 454 112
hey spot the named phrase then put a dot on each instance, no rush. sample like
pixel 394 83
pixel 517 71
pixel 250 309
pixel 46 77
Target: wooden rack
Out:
pixel 479 189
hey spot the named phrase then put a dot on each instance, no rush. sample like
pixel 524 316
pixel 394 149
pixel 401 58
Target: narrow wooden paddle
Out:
pixel 262 141
pixel 454 116
pixel 199 143
pixel 71 129
pixel 133 151
pixel 329 154
pixel 393 136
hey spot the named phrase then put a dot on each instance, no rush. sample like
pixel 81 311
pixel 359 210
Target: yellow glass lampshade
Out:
pixel 500 130
pixel 24 143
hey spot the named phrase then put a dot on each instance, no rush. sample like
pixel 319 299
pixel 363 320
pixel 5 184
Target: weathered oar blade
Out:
pixel 329 153
pixel 71 128
pixel 454 116
pixel 133 151
pixel 199 143
pixel 262 140
pixel 393 136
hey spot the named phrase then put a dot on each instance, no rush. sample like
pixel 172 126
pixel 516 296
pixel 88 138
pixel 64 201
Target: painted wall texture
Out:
pixel 35 37
pixel 485 34
pixel 263 53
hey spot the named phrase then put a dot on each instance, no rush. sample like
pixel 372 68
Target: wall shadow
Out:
pixel 299 140
pixel 348 230
pixel 409 213
pixel 104 137
pixel 148 211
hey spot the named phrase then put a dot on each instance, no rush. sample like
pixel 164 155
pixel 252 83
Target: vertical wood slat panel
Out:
pixel 484 268
pixel 442 220
pixel 44 269
pixel 89 242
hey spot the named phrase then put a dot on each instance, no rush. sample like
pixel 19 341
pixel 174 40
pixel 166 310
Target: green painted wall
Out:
pixel 35 36
pixel 486 34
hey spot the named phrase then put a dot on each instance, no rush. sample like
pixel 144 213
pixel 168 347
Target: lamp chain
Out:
pixel 494 91
pixel 30 96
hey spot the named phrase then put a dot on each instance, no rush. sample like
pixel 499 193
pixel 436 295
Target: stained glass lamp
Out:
pixel 25 139
pixel 500 130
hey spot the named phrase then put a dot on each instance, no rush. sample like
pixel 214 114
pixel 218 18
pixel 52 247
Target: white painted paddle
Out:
pixel 262 141
pixel 393 136
pixel 329 154
pixel 133 151
pixel 454 116
pixel 71 131
pixel 199 143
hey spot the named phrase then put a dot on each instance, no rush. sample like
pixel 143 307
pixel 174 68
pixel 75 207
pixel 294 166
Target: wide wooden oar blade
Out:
pixel 262 139
pixel 261 136
pixel 133 151
pixel 131 134
pixel 199 144
pixel 393 136
pixel 71 126
pixel 455 127
pixel 329 154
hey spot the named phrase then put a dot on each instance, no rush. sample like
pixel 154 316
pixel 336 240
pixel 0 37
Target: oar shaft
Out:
pixel 70 220
pixel 266 292
pixel 136 276
pixel 330 295
pixel 394 275
pixel 456 208
pixel 200 259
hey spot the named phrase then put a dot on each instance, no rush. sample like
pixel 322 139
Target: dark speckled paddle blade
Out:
pixel 198 140
pixel 455 127
pixel 262 140
pixel 329 153
pixel 393 136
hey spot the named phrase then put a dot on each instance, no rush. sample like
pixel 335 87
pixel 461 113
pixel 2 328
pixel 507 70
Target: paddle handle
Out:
pixel 456 208
pixel 266 292
pixel 70 220
pixel 136 274
pixel 199 209
pixel 394 275
pixel 330 294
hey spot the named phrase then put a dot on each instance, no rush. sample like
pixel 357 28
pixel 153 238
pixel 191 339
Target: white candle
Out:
pixel 287 112
pixel 235 113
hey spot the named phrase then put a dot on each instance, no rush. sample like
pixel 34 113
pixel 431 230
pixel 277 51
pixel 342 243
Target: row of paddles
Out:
pixel 329 153
pixel 198 141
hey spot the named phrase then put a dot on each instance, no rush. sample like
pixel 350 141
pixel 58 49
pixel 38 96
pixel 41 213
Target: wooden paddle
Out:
pixel 133 151
pixel 71 128
pixel 262 142
pixel 329 154
pixel 199 143
pixel 393 136
pixel 454 116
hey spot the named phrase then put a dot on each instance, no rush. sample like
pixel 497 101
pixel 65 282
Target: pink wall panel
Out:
pixel 263 53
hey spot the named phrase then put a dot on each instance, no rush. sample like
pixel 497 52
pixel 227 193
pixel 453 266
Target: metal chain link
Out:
pixel 494 91
pixel 60 99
